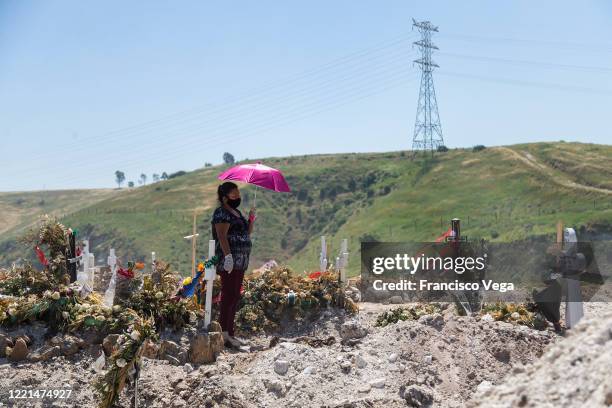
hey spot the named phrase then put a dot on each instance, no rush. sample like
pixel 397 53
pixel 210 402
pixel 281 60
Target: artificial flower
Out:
pixel 135 335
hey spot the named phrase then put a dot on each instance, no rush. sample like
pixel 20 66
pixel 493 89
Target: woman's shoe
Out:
pixel 241 341
pixel 231 341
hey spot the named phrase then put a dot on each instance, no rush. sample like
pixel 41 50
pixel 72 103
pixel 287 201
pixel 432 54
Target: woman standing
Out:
pixel 231 232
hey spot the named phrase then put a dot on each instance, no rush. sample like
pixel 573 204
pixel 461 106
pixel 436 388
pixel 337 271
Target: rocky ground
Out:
pixel 441 360
pixel 575 372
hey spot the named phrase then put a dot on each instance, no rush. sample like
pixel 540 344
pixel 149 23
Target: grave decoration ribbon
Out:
pixel 189 284
pixel 41 256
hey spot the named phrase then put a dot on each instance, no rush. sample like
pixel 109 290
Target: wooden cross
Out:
pixel 193 237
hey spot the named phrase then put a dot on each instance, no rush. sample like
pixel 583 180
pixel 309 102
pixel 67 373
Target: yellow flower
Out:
pixel 55 296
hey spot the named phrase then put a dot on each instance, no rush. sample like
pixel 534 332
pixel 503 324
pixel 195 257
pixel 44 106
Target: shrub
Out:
pixel 177 174
pixel 478 148
pixel 442 149
pixel 368 238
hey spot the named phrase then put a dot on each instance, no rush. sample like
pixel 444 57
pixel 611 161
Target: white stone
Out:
pixel 487 318
pixel 484 386
pixel 428 359
pixel 308 370
pixel 288 346
pixel 281 367
pixel 364 388
pixel 378 383
pixel 360 362
pixel 393 357
pixel 274 386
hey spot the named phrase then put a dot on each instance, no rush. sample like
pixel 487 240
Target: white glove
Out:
pixel 228 263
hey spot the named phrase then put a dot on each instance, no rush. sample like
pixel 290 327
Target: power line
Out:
pixel 526 62
pixel 517 82
pixel 548 43
pixel 192 114
pixel 350 95
pixel 352 80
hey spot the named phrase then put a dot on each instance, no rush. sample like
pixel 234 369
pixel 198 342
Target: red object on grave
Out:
pixel 41 256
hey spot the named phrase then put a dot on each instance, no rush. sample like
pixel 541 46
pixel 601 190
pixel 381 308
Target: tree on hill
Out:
pixel 119 177
pixel 177 174
pixel 155 177
pixel 164 176
pixel 207 164
pixel 143 179
pixel 130 184
pixel 228 158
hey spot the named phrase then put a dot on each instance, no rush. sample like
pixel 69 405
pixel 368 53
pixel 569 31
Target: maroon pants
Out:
pixel 230 297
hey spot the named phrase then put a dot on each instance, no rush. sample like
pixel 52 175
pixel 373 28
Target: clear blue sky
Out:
pixel 87 88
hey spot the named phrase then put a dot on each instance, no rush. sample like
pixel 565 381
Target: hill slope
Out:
pixel 501 193
pixel 19 210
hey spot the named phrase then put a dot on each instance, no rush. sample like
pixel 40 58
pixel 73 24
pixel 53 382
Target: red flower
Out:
pixel 126 273
pixel 315 275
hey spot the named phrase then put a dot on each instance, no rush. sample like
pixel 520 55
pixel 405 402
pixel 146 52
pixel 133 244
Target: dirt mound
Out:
pixel 437 360
pixel 342 360
pixel 572 373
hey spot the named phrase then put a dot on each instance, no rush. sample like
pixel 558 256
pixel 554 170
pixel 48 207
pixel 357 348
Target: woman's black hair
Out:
pixel 224 189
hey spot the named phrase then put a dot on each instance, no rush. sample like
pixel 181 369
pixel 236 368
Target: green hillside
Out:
pixel 501 193
pixel 19 210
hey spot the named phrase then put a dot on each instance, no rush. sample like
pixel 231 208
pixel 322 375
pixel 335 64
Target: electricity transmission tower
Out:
pixel 427 128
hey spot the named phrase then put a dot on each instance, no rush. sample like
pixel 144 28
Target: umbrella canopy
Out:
pixel 257 174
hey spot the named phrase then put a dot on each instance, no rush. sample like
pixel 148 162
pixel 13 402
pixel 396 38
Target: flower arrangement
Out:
pixel 407 313
pixel 277 294
pixel 125 360
pixel 523 313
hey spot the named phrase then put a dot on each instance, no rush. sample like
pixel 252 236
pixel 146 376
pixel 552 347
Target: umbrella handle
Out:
pixel 255 198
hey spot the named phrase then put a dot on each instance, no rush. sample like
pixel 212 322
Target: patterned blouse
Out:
pixel 237 237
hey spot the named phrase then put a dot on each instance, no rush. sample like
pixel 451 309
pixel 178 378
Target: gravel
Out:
pixel 439 361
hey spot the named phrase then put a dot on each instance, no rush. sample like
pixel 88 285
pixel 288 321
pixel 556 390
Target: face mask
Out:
pixel 234 203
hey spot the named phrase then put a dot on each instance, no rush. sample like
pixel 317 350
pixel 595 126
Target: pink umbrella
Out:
pixel 259 175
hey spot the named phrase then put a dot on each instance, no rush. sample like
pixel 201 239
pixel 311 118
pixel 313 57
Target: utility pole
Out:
pixel 427 128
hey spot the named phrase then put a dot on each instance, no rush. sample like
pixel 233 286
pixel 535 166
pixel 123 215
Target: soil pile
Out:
pixel 572 373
